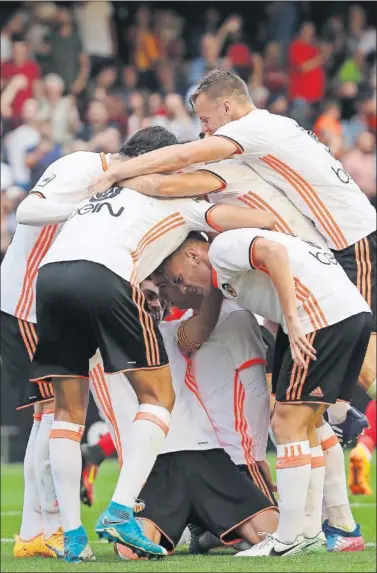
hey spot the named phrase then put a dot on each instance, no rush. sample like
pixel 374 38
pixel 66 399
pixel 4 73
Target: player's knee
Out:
pixel 160 397
pixel 287 424
pixel 73 413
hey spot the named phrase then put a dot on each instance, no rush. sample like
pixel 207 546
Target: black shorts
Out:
pixel 18 342
pixel 201 487
pixel 341 349
pixel 359 262
pixel 83 306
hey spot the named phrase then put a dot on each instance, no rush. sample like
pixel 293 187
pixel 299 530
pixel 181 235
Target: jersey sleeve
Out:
pixel 228 172
pixel 232 251
pixel 197 213
pixel 236 133
pixel 67 179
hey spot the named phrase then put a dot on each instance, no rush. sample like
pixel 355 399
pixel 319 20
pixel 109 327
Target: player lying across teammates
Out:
pixel 305 172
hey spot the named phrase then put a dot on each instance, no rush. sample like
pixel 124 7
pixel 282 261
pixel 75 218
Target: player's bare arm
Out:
pixel 274 258
pixel 227 217
pixel 173 186
pixel 35 210
pixel 165 160
pixel 194 331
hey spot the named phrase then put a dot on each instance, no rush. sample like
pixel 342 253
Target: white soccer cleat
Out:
pixel 317 544
pixel 272 547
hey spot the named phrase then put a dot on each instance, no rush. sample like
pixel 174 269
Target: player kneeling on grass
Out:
pixel 193 477
pixel 324 333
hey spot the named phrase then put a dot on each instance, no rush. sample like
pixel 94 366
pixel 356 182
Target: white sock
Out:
pixel 147 437
pixel 335 495
pixel 372 391
pixel 65 459
pixel 338 412
pixel 32 523
pixel 293 469
pixel 313 508
pixel 45 482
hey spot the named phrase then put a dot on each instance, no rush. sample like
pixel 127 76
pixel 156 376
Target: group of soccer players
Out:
pixel 296 245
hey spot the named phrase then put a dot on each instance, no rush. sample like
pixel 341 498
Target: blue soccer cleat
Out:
pixel 352 426
pixel 339 540
pixel 117 524
pixel 76 547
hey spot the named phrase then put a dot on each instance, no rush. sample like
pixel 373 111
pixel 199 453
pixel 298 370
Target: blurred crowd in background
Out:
pixel 64 86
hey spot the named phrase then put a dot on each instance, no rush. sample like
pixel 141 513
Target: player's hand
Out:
pixel 300 346
pixel 103 183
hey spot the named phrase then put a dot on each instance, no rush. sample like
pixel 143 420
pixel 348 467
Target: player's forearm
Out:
pixel 196 330
pixel 277 263
pixel 146 184
pixel 227 217
pixel 37 211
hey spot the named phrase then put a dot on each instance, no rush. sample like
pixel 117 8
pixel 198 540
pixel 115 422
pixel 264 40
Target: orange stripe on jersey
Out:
pixel 311 303
pixel 39 250
pixel 103 161
pixel 192 385
pixel 256 202
pixel 368 297
pixel 308 194
pixel 363 270
pixel 156 231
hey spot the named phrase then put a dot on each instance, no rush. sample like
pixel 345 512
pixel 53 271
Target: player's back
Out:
pixel 64 181
pixel 230 376
pixel 294 160
pixel 127 232
pixel 246 188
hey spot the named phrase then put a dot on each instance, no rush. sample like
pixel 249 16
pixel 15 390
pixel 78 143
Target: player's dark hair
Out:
pixel 148 139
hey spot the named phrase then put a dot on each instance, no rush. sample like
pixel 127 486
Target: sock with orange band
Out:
pixel 313 508
pixel 293 470
pixel 32 523
pixel 45 483
pixel 148 433
pixel 65 459
pixel 335 495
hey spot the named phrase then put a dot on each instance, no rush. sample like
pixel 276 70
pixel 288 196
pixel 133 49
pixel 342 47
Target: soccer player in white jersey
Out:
pixel 293 160
pixel 109 244
pixel 63 184
pixel 193 475
pixel 325 328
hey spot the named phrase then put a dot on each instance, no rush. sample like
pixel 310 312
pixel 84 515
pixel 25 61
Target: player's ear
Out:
pixel 193 254
pixel 226 105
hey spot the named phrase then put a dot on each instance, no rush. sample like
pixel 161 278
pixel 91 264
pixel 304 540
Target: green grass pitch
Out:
pixel 364 509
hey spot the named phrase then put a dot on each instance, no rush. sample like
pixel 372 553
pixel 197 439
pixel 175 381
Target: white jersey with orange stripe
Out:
pixel 243 186
pixel 190 426
pixel 324 293
pixel 229 369
pixel 296 162
pixel 127 232
pixel 64 181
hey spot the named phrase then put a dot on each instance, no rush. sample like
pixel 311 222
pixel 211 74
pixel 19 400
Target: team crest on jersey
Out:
pixel 110 194
pixel 229 289
pixel 139 505
pixel 45 181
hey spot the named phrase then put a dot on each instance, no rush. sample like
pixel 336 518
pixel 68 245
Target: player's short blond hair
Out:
pixel 220 84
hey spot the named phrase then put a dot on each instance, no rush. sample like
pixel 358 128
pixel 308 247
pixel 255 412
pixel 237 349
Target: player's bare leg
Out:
pixel 154 390
pixel 342 532
pixel 71 401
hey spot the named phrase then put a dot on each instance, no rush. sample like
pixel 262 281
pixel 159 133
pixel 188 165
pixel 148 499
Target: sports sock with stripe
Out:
pixel 148 433
pixel 32 523
pixel 335 495
pixel 45 483
pixel 313 507
pixel 293 470
pixel 65 459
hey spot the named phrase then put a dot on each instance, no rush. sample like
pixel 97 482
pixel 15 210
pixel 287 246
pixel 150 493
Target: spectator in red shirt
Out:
pixel 306 77
pixel 21 65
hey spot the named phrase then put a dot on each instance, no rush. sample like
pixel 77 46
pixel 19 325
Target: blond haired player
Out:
pixel 325 327
pixel 291 159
